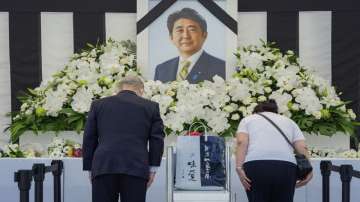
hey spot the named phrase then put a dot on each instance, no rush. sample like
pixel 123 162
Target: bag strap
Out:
pixel 277 127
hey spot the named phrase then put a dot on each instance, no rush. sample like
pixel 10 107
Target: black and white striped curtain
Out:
pixel 37 37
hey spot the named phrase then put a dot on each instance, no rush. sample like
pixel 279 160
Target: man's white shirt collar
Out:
pixel 192 59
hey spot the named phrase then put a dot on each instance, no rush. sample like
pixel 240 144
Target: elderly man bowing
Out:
pixel 123 144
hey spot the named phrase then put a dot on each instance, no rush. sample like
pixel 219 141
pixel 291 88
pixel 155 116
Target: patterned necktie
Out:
pixel 184 70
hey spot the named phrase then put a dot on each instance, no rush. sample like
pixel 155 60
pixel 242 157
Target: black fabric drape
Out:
pixel 88 28
pixel 283 28
pixel 345 57
pixel 25 53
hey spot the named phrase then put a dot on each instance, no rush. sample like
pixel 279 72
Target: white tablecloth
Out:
pixel 76 186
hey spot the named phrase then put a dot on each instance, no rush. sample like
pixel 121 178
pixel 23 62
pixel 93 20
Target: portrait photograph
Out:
pixel 186 42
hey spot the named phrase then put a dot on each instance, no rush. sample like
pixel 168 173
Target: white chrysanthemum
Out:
pixel 57 153
pixel 113 90
pixel 82 100
pixel 256 88
pixel 235 116
pixel 174 121
pixel 164 102
pixel 24 107
pixel 351 114
pixel 45 83
pixel 54 101
pixel 95 89
pixel 319 82
pixel 87 75
pixel 295 107
pixel 329 97
pixel 11 147
pixel 58 142
pixel 248 101
pixel 262 98
pixel 110 61
pixel 287 78
pixel 238 91
pixel 228 108
pixel 250 109
pixel 67 89
pixel 269 72
pixel 349 154
pixel 217 120
pixel 252 60
pixel 282 100
pixel 151 88
pixel 308 100
pixel 281 63
pixel 127 60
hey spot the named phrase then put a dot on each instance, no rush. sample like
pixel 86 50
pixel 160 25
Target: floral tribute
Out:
pixel 263 72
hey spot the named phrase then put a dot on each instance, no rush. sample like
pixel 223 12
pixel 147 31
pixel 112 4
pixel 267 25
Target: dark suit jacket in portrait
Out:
pixel 117 133
pixel 205 68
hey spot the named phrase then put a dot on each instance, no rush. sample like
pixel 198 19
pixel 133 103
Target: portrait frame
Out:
pixel 146 16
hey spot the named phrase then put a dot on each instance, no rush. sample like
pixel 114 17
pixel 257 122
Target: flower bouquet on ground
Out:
pixel 331 153
pixel 60 148
pixel 14 151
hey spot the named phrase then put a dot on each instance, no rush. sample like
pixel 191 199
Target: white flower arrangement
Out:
pixel 62 101
pixel 331 153
pixel 60 148
pixel 301 95
pixel 14 151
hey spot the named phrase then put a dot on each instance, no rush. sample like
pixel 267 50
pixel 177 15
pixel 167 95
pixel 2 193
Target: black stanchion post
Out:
pixel 325 167
pixel 23 178
pixel 346 175
pixel 57 167
pixel 39 176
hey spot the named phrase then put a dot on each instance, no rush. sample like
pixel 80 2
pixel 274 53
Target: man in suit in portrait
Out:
pixel 188 32
pixel 123 144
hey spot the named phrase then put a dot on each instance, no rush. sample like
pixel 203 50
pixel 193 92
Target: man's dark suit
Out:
pixel 116 137
pixel 205 68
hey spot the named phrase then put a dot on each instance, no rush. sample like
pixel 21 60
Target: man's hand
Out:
pixel 303 182
pixel 151 179
pixel 245 181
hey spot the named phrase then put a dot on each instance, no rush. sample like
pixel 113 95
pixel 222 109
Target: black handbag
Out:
pixel 303 164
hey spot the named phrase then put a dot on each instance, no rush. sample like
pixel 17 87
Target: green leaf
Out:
pixel 32 92
pixel 73 119
pixel 90 45
pixel 68 111
pixel 16 130
pixel 327 130
pixel 305 123
pixel 346 126
pixel 52 126
pixel 79 125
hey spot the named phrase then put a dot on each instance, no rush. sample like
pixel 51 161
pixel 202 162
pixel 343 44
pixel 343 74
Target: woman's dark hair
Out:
pixel 267 106
pixel 186 13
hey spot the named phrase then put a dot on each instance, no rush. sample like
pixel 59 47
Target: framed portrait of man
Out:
pixel 186 41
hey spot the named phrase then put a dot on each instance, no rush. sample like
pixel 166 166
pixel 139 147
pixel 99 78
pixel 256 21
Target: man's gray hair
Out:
pixel 133 81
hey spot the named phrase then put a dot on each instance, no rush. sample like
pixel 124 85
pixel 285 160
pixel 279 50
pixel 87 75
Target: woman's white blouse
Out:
pixel 265 141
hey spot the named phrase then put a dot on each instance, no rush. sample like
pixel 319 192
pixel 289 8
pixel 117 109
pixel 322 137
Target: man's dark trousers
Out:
pixel 106 188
